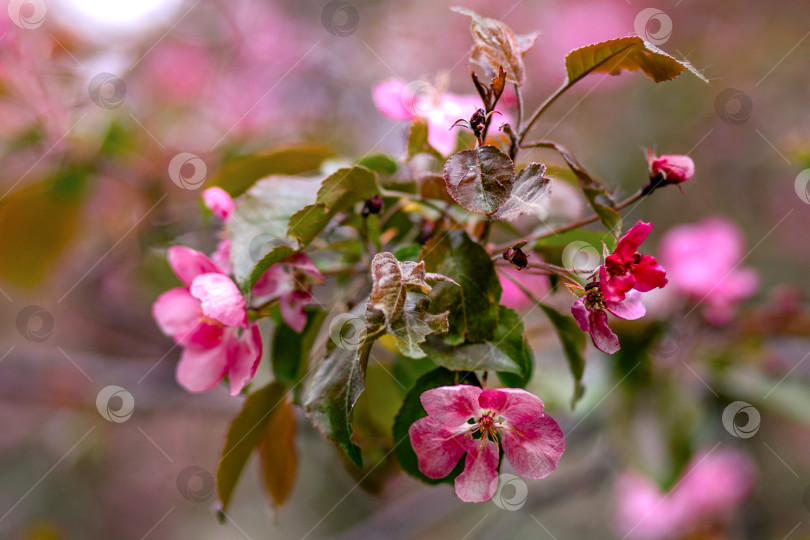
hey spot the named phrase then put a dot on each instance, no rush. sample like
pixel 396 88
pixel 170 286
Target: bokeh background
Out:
pixel 97 97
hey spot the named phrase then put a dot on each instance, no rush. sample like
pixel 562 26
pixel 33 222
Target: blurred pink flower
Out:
pixel 287 282
pixel 628 269
pixel 532 441
pixel 702 262
pixel 400 101
pixel 711 486
pixel 512 296
pixel 590 313
pixel 208 318
pixel 179 71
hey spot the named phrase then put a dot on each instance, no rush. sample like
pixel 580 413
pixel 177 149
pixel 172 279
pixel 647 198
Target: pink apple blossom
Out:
pixel 628 269
pixel 708 490
pixel 703 262
pixel 219 202
pixel 400 101
pixel 287 282
pixel 466 419
pixel 208 318
pixel 590 312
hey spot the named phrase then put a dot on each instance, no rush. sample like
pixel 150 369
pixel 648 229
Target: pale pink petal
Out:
pixel 533 448
pixel 188 263
pixel 292 309
pixel 514 404
pixel 511 295
pixel 200 369
pixel 176 311
pixel 602 336
pixel 630 308
pixel 244 355
pixel 438 448
pixel 643 512
pixel 581 314
pixel 219 202
pixel 388 97
pixel 220 299
pixel 478 481
pixel 452 405
pixel 222 256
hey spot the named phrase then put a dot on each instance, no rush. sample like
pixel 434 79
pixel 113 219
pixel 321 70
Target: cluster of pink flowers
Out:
pixel 208 316
pixel 466 419
pixel 624 276
pixel 710 488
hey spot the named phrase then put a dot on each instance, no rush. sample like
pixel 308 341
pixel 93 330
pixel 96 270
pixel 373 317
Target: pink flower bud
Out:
pixel 672 169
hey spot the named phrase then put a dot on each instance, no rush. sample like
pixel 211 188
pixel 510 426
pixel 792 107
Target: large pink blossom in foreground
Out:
pixel 591 309
pixel 710 488
pixel 208 318
pixel 628 269
pixel 703 262
pixel 532 441
pixel 400 101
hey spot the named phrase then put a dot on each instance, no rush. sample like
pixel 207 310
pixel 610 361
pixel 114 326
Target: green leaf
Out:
pixel 238 175
pixel 415 324
pixel 559 241
pixel 334 389
pixel 418 139
pixel 277 455
pixel 245 433
pixel 480 180
pixel 412 410
pixel 573 344
pixel 258 227
pixel 408 253
pixel 530 195
pixel 628 53
pixel 473 305
pixel 338 193
pixel 290 352
pixel 380 164
pixel 508 352
pixel 498 44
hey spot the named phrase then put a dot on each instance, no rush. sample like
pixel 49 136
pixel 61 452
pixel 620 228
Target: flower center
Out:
pixel 488 426
pixel 593 296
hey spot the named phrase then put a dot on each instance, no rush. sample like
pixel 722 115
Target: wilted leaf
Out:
pixel 498 44
pixel 431 186
pixel 339 192
pixel 628 53
pixel 474 304
pixel 245 433
pixel 573 343
pixel 277 454
pixel 480 180
pixel 258 226
pixel 530 195
pixel 238 175
pixel 507 352
pixel 412 410
pixel 415 323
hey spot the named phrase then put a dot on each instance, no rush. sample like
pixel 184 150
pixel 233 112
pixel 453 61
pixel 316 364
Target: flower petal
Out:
pixel 630 308
pixel 438 448
pixel 535 447
pixel 388 97
pixel 201 369
pixel 302 263
pixel 478 481
pixel 188 263
pixel 176 311
pixel 628 244
pixel 244 355
pixel 602 336
pixel 649 274
pixel 219 202
pixel 452 405
pixel 220 299
pixel 292 309
pixel 581 315
pixel 222 256
pixel 517 406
